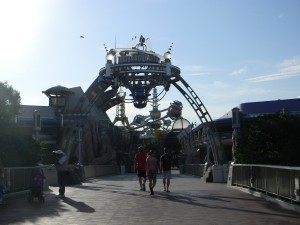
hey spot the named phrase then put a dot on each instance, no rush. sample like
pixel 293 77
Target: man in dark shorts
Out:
pixel 140 165
pixel 165 167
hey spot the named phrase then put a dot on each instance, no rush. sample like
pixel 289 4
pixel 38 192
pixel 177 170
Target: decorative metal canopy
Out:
pixel 138 70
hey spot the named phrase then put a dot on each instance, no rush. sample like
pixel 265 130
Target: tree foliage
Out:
pixel 270 139
pixel 156 144
pixel 10 101
pixel 18 148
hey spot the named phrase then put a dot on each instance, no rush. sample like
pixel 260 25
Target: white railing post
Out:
pixel 297 187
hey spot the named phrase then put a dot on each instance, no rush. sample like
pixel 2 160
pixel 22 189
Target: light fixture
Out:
pixel 109 57
pixel 180 124
pixel 167 55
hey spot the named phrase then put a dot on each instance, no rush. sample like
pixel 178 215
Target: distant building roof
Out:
pixel 267 107
pixel 57 90
pixel 253 109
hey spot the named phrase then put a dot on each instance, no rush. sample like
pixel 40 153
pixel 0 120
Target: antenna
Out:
pixel 115 41
pixel 105 48
pixel 171 46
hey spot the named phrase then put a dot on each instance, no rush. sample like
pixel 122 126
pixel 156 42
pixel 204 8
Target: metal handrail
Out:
pixel 278 181
pixel 18 178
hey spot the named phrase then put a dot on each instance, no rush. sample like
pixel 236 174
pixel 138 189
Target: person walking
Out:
pixel 61 165
pixel 151 170
pixel 140 165
pixel 165 167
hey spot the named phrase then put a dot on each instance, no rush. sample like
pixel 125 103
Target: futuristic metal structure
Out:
pixel 140 70
pixel 82 122
pixel 120 110
pixel 155 120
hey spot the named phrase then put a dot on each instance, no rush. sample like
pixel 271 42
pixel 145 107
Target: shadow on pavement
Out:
pixel 18 210
pixel 80 206
pixel 186 199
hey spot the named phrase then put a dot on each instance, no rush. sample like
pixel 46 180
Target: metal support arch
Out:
pixel 208 125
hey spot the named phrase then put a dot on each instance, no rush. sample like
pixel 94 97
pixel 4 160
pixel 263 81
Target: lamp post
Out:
pixel 79 145
pixel 36 123
pixel 180 125
pixel 236 125
pixel 167 57
pixel 109 58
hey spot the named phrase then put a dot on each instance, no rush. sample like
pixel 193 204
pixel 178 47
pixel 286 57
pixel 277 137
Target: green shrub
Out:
pixel 271 139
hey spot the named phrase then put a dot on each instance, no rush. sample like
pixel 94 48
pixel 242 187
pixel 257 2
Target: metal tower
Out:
pixel 120 110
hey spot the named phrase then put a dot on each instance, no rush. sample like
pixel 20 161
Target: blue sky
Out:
pixel 229 51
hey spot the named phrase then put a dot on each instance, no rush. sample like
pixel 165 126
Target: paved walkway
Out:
pixel 112 200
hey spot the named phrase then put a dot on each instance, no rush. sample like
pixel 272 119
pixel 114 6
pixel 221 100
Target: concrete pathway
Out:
pixel 115 200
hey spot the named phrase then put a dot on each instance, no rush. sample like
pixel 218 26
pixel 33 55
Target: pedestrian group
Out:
pixel 147 166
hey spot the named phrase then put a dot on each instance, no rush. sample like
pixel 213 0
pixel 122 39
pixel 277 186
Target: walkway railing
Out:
pixel 17 179
pixel 277 181
pixel 194 169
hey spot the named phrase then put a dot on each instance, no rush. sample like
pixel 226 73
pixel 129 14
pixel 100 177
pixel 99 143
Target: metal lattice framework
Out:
pixel 140 71
pixel 209 129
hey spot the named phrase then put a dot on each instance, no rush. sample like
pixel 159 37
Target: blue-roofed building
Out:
pixel 225 125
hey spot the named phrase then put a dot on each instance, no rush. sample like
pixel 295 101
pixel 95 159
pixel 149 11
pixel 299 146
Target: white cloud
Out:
pixel 228 92
pixel 249 91
pixel 238 72
pixel 220 85
pixel 286 69
pixel 194 70
pixel 275 76
pixel 290 62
